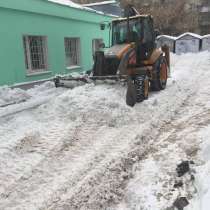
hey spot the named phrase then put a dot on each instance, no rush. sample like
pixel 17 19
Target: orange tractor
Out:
pixel 133 56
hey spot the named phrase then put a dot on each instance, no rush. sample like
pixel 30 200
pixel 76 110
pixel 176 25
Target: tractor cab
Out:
pixel 132 42
pixel 137 30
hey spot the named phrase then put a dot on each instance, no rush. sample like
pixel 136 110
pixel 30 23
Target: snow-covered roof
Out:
pixel 100 3
pixel 69 3
pixel 107 7
pixel 189 34
pixel 206 36
pixel 167 36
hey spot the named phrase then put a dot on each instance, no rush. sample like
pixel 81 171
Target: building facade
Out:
pixel 41 38
pixel 204 17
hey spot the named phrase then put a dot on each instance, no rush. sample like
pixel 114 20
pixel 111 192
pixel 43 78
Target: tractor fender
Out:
pixel 122 69
pixel 154 57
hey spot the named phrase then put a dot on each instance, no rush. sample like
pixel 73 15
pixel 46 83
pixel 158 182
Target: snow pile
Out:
pixel 152 186
pixel 83 148
pixel 202 200
pixel 16 100
pixel 12 96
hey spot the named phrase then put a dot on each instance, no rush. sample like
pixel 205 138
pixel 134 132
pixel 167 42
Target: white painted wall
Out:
pixel 187 45
pixel 206 44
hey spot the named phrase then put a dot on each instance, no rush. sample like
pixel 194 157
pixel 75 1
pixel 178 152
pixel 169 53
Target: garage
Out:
pixel 188 43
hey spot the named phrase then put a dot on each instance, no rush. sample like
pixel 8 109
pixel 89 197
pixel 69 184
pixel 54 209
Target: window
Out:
pixel 120 31
pixel 148 31
pixel 35 48
pixel 72 49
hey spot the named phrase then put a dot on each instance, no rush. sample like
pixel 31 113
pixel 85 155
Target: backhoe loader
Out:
pixel 133 57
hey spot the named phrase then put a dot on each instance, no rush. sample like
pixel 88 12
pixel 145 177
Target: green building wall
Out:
pixel 40 17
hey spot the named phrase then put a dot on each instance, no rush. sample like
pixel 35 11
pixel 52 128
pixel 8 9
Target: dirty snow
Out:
pixel 83 148
pixel 202 199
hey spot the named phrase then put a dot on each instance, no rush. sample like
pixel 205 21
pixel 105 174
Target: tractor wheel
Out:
pixel 142 88
pixel 161 71
pixel 131 93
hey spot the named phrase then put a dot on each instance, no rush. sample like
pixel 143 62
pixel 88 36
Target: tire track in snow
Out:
pixel 99 158
pixel 57 163
pixel 177 141
pixel 79 198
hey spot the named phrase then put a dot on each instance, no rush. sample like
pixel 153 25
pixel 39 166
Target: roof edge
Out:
pixel 100 3
pixel 49 9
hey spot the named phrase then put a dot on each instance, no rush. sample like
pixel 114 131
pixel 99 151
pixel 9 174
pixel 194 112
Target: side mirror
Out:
pixel 102 26
pixel 157 33
pixel 102 45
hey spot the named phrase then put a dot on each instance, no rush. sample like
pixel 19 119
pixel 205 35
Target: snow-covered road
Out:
pixel 85 149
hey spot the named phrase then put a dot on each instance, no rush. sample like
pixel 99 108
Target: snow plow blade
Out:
pixel 71 82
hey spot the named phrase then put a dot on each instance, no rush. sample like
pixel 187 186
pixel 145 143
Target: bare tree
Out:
pixel 170 16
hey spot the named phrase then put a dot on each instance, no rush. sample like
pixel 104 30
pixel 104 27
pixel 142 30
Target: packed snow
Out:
pixel 84 148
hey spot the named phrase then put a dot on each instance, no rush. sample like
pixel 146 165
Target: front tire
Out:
pixel 161 74
pixel 131 93
pixel 142 88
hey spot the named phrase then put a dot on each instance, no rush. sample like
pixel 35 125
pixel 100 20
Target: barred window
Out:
pixel 35 48
pixel 72 50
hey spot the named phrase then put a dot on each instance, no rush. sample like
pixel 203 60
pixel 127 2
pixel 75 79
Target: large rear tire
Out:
pixel 142 88
pixel 161 71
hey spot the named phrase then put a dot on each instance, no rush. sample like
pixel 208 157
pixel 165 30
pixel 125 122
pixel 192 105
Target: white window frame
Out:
pixel 28 56
pixel 68 60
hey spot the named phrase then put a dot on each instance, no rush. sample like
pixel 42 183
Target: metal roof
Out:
pixel 167 37
pixel 134 17
pixel 189 34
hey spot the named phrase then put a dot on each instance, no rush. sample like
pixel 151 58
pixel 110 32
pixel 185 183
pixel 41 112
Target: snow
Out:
pixel 75 5
pixel 8 96
pixel 84 148
pixel 189 34
pixel 167 36
pixel 202 200
pixel 16 100
pixel 100 3
pixel 206 36
pixel 67 3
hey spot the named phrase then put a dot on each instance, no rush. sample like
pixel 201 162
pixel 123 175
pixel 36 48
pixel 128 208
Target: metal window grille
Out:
pixel 72 46
pixel 35 48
